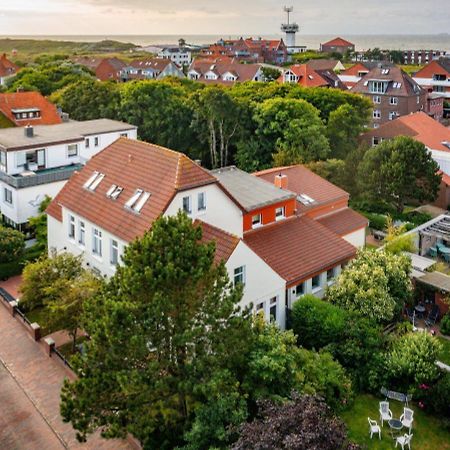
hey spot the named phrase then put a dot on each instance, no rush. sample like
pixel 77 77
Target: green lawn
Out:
pixel 428 431
pixel 445 353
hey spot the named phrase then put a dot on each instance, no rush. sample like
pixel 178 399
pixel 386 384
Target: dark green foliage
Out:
pixel 316 322
pixel 376 221
pixel 445 324
pixel 270 73
pixel 440 396
pixel 39 224
pixel 333 170
pixel 12 244
pixel 399 170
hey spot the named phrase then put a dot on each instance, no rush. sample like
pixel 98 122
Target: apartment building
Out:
pixel 150 69
pixel 422 56
pixel 276 249
pixel 435 77
pixel 392 92
pixel 181 56
pixel 36 161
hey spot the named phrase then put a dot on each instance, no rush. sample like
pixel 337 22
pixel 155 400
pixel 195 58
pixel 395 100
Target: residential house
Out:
pixel 353 74
pixel 109 69
pixel 435 105
pixel 7 69
pixel 88 62
pixel 435 77
pixel 224 71
pixel 337 45
pixel 427 130
pixel 150 69
pixel 306 76
pixel 276 250
pixel 28 108
pixel 392 92
pixel 249 50
pixel 181 56
pixel 36 161
pixel 332 65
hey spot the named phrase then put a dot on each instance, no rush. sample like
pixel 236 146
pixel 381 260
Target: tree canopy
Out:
pixel 399 170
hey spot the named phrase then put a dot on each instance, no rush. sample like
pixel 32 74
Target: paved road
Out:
pixel 30 384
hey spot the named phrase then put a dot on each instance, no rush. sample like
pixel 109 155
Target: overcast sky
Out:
pixel 180 17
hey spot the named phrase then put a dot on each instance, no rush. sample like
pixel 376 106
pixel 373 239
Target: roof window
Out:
pixel 138 200
pixel 94 181
pixel 384 71
pixel 305 199
pixel 114 191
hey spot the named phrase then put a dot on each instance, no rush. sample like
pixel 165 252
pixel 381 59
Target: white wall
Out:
pixel 221 211
pixel 26 201
pixel 261 284
pixel 356 238
pixel 105 139
pixel 58 238
pixel 443 159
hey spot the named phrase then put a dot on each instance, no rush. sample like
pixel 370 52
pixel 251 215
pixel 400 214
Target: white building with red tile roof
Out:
pixel 278 249
pixel 7 69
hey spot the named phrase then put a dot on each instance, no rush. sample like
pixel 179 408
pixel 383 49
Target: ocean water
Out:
pixel 362 42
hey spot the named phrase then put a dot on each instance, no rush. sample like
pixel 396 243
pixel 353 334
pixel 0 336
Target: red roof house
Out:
pixel 337 45
pixel 7 68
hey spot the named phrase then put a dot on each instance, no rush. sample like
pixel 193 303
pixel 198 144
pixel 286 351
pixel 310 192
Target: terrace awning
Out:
pixel 437 280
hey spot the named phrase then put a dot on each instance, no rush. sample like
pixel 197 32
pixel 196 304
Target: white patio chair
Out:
pixel 385 412
pixel 374 428
pixel 404 440
pixel 407 418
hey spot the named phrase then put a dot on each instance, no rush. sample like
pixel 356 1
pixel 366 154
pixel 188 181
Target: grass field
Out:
pixel 428 431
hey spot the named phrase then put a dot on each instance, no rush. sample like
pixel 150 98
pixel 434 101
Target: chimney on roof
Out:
pixel 29 131
pixel 281 181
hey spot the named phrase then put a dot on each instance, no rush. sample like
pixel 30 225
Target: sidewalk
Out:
pixel 30 384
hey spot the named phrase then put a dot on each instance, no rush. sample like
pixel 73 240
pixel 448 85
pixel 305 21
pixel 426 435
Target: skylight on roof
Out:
pixel 94 181
pixel 305 199
pixel 138 200
pixel 114 191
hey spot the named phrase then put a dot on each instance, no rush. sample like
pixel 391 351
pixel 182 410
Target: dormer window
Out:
pixel 114 191
pixel 94 181
pixel 138 200
pixel 378 87
pixel 280 213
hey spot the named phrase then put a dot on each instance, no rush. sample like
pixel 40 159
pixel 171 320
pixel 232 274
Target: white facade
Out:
pixel 27 176
pixel 356 238
pixel 180 56
pixel 441 87
pixel 443 159
pixel 220 211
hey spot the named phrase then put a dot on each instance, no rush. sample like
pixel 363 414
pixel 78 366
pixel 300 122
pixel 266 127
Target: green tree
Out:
pixel 39 223
pixel 333 170
pixel 396 241
pixel 345 124
pixel 412 360
pixel 399 170
pixel 165 325
pixel 12 244
pixel 291 128
pixel 270 73
pixel 88 99
pixel 376 284
pixel 217 117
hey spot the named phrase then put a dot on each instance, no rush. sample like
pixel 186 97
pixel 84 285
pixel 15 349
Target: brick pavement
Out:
pixel 31 390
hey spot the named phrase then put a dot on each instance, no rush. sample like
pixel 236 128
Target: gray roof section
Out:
pixel 249 191
pixel 15 138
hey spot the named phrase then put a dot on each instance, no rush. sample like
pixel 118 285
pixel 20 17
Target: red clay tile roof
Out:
pixel 158 64
pixel 225 242
pixel 28 100
pixel 344 221
pixel 299 248
pixel 308 77
pixel 302 181
pixel 338 42
pixel 419 126
pixel 244 72
pixel 131 165
pixel 7 68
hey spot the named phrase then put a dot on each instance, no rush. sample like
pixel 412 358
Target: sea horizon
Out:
pixel 440 41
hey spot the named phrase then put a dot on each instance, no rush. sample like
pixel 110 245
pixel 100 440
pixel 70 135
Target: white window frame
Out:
pixel 114 252
pixel 188 209
pixel 283 213
pixel 81 233
pixel 393 100
pixel 97 242
pixel 87 142
pixel 330 280
pixel 7 196
pixel 376 99
pixel 303 289
pixel 201 204
pixel 319 286
pixel 71 230
pixel 96 141
pixel 70 148
pixel 376 114
pixel 273 303
pixel 240 273
pixel 258 222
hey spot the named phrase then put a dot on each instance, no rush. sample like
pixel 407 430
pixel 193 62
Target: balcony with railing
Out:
pixel 44 176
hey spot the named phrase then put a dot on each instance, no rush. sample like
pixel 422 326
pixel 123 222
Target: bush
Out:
pixel 440 396
pixel 445 324
pixel 10 269
pixel 316 322
pixel 12 244
pixel 376 221
pixel 411 361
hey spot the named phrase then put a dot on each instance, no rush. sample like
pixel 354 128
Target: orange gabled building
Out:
pixel 435 77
